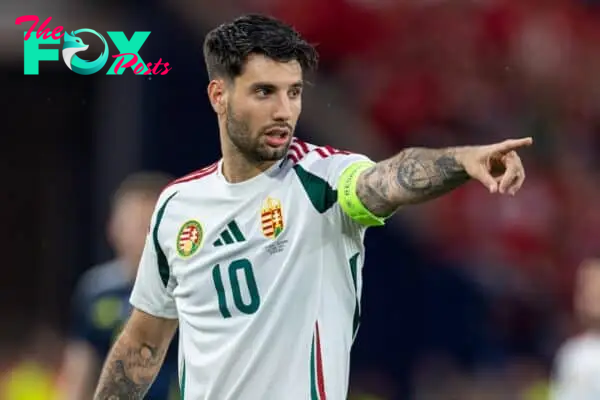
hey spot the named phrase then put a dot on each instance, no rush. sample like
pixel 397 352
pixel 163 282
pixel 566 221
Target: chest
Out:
pixel 226 253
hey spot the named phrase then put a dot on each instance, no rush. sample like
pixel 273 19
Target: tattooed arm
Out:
pixel 135 358
pixel 413 176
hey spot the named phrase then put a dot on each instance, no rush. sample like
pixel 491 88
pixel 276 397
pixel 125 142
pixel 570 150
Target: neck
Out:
pixel 238 168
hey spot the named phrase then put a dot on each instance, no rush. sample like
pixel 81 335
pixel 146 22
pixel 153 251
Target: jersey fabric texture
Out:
pixel 101 309
pixel 577 369
pixel 264 277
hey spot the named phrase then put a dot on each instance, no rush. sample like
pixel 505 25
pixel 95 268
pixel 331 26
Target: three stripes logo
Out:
pixel 231 234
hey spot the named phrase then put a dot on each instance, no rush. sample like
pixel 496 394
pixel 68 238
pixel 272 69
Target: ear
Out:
pixel 217 94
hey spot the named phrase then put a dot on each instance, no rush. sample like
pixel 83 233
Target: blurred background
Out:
pixel 467 297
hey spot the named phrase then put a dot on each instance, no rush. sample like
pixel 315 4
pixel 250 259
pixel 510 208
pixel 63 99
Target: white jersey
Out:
pixel 577 369
pixel 263 275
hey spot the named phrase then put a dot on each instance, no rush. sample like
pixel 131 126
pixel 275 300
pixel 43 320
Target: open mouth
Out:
pixel 276 137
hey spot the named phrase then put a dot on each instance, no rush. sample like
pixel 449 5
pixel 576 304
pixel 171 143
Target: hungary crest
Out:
pixel 271 218
pixel 189 238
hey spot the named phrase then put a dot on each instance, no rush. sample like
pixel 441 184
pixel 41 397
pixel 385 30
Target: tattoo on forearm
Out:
pixel 413 176
pixel 129 371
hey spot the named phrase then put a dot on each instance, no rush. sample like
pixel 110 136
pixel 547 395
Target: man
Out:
pixel 101 300
pixel 577 369
pixel 258 257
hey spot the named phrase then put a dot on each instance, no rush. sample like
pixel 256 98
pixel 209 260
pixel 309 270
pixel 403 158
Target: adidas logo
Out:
pixel 231 234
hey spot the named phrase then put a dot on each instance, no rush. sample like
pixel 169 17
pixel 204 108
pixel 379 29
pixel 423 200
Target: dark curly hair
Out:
pixel 227 47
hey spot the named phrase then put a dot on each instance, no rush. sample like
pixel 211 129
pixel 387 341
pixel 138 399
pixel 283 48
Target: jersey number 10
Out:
pixel 234 269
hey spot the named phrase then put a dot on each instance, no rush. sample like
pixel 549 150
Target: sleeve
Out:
pixel 340 170
pixel 153 289
pixel 570 381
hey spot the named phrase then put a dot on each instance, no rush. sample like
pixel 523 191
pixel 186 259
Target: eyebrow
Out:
pixel 271 86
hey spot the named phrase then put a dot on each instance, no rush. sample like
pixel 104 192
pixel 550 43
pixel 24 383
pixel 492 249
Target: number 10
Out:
pixel 234 267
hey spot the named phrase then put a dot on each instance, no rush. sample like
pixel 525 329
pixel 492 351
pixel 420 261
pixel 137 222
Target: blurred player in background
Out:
pixel 258 257
pixel 101 302
pixel 577 367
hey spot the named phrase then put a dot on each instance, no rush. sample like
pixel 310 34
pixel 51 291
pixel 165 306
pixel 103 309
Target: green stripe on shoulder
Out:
pixel 163 264
pixel 319 191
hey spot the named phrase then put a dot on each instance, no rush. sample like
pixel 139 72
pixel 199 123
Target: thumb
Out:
pixel 510 145
pixel 483 176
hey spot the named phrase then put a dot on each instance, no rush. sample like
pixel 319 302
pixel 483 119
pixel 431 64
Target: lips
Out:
pixel 276 137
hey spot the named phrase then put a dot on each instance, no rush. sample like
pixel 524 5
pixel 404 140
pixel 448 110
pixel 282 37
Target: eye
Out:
pixel 295 93
pixel 262 92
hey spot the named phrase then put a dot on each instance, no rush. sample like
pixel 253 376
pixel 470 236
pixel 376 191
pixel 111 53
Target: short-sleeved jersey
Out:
pixel 577 369
pixel 263 275
pixel 101 311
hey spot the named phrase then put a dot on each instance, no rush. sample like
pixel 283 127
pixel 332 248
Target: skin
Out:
pixel 268 94
pixel 587 294
pixel 136 357
pixel 416 175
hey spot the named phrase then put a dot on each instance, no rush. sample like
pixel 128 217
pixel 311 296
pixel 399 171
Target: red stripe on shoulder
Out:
pixel 327 151
pixel 302 145
pixel 192 176
pixel 299 150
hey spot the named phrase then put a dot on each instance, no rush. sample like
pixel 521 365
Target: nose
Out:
pixel 282 109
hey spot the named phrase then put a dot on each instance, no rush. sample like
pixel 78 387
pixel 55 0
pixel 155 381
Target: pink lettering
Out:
pixel 148 71
pixel 156 70
pixel 167 69
pixel 157 66
pixel 130 63
pixel 138 69
pixel 28 18
pixel 42 30
pixel 56 32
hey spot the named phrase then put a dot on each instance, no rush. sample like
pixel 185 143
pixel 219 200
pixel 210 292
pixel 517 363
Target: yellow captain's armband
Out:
pixel 349 201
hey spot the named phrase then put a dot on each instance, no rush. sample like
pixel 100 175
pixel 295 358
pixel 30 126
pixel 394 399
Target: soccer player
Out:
pixel 257 257
pixel 101 301
pixel 577 365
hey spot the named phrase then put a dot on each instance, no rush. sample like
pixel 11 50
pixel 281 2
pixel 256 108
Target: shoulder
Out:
pixel 576 347
pixel 304 153
pixel 320 159
pixel 186 183
pixel 325 162
pixel 189 180
pixel 179 193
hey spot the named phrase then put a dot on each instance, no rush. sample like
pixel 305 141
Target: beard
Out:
pixel 252 146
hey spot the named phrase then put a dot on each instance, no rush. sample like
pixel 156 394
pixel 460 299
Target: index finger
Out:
pixel 512 144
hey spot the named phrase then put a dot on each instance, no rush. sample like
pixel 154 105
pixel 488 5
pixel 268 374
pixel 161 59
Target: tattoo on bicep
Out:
pixel 413 176
pixel 425 173
pixel 372 190
pixel 129 372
